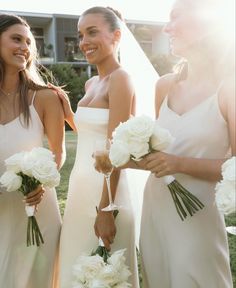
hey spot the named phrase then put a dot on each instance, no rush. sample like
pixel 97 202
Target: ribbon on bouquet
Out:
pixel 34 235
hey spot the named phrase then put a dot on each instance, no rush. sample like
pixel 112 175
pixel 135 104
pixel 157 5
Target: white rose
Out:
pixel 45 171
pixel 11 181
pixel 228 169
pixel 226 196
pixel 140 128
pixel 160 139
pixel 77 285
pixel 229 162
pixel 117 260
pixel 123 285
pixel 87 267
pixel 41 152
pixel 138 149
pixel 121 133
pixel 27 164
pixel 108 276
pixel 119 153
pixel 97 283
pixel 14 162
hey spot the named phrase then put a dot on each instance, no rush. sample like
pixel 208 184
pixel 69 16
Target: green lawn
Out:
pixel 62 192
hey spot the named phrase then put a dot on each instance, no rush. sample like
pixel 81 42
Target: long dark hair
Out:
pixel 30 77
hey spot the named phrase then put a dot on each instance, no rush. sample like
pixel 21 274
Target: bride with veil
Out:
pixel 109 95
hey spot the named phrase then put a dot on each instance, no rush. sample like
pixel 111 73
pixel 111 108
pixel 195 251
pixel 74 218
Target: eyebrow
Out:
pixel 19 35
pixel 89 28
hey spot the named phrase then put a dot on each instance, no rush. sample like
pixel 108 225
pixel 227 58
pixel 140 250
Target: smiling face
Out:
pixel 15 47
pixel 96 40
pixel 189 27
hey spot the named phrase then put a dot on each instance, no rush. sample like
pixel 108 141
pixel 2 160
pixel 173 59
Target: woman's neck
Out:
pixel 107 67
pixel 200 70
pixel 10 83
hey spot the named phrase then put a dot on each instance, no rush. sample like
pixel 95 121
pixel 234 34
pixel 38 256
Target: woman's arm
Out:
pixel 51 113
pixel 208 169
pixel 121 98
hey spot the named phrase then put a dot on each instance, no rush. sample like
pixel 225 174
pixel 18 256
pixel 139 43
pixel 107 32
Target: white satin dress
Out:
pixel 22 266
pixel 192 253
pixel 85 190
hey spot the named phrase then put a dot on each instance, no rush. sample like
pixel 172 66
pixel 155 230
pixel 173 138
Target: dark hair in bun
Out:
pixel 111 16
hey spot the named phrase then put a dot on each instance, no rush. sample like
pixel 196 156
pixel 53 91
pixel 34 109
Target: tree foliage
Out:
pixel 73 83
pixel 163 63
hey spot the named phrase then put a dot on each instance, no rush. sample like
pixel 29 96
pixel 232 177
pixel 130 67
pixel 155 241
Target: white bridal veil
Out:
pixel 144 76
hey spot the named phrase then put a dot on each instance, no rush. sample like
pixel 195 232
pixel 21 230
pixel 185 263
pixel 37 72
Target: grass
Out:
pixel 62 189
pixel 62 194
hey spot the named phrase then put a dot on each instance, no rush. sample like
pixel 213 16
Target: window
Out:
pixel 72 51
pixel 39 38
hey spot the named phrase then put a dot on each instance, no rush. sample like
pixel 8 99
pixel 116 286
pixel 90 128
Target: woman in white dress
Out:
pixel 198 107
pixel 28 110
pixel 109 100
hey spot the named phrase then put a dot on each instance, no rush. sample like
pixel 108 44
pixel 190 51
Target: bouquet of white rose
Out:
pixel 140 136
pixel 24 172
pixel 226 188
pixel 101 270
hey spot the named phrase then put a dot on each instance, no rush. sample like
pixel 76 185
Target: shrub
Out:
pixel 163 63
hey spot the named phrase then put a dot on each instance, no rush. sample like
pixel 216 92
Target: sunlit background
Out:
pixel 153 10
pixel 56 38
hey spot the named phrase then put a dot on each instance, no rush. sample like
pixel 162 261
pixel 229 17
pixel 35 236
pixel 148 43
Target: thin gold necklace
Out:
pixel 8 94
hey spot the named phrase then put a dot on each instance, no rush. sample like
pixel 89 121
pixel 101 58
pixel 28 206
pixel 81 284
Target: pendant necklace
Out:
pixel 8 94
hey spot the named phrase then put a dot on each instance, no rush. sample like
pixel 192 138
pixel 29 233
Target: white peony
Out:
pixel 119 153
pixel 138 149
pixel 11 181
pixel 137 137
pixel 108 276
pixel 123 285
pixel 161 138
pixel 45 171
pixel 228 169
pixel 140 128
pixel 78 285
pixel 93 272
pixel 14 162
pixel 87 267
pixel 27 164
pixel 226 188
pixel 117 260
pixel 32 157
pixel 41 153
pixel 228 163
pixel 121 132
pixel 98 283
pixel 226 197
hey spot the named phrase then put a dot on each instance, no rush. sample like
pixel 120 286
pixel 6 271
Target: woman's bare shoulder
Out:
pixel 120 73
pixel 166 81
pixel 89 82
pixel 47 96
pixel 163 86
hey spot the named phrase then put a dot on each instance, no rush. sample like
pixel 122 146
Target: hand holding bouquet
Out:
pixel 140 136
pixel 25 171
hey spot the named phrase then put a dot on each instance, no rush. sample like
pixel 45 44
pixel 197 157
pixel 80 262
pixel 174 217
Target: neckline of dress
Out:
pixel 86 107
pixel 15 119
pixel 190 110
